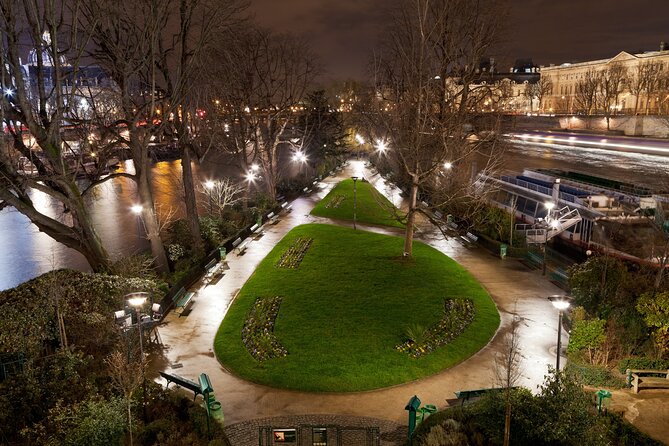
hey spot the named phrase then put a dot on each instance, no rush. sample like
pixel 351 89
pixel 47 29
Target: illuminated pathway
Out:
pixel 189 350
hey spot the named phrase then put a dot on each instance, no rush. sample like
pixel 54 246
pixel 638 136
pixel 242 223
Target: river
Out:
pixel 27 253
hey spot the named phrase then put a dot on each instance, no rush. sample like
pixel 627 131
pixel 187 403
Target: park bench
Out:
pixel 212 270
pixel 438 215
pixel 280 198
pixel 182 382
pixel 306 190
pixel 469 238
pixel 273 218
pixel 257 230
pixel 236 242
pixel 182 300
pixel 638 378
pixel 241 249
pixel 465 395
pixel 286 207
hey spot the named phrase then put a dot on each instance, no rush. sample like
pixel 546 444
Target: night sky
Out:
pixel 343 32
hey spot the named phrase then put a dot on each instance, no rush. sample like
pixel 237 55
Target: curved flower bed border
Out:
pixel 258 331
pixel 335 201
pixel 295 253
pixel 458 314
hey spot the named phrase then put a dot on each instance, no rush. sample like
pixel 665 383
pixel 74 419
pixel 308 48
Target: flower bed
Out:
pixel 458 314
pixel 295 253
pixel 258 331
pixel 335 201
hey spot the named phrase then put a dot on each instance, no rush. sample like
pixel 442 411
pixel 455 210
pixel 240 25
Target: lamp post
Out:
pixel 137 300
pixel 137 209
pixel 355 181
pixel 549 206
pixel 210 191
pixel 561 303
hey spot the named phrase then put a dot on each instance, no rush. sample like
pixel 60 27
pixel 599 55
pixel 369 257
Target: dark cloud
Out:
pixel 344 32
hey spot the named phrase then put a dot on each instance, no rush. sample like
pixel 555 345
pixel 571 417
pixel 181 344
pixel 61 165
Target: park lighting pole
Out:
pixel 355 180
pixel 137 300
pixel 209 185
pixel 561 303
pixel 137 209
pixel 549 223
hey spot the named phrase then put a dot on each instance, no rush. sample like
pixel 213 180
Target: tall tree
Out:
pixel 264 80
pixel 586 92
pixel 611 82
pixel 433 45
pixel 36 103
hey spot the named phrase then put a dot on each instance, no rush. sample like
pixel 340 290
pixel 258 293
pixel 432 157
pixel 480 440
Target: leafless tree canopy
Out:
pixel 424 75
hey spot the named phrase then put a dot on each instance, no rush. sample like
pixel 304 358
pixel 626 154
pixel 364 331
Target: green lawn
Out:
pixel 372 207
pixel 344 310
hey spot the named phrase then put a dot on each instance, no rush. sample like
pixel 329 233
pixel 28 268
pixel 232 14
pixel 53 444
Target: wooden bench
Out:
pixel 469 238
pixel 236 242
pixel 273 218
pixel 465 395
pixel 286 207
pixel 182 300
pixel 241 249
pixel 438 215
pixel 257 230
pixel 638 378
pixel 213 270
pixel 182 382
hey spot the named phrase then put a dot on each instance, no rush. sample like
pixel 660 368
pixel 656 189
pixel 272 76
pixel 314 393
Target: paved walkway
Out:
pixel 516 291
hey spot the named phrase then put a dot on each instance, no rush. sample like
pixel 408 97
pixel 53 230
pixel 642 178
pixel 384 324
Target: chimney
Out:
pixel 663 46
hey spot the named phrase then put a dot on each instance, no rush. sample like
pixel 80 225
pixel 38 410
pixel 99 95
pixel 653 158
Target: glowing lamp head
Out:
pixel 254 167
pixel 560 303
pixel 549 205
pixel 381 146
pixel 137 209
pixel 209 184
pixel 448 165
pixel 359 138
pixel 250 177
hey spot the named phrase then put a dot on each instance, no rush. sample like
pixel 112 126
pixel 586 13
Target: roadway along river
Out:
pixel 27 253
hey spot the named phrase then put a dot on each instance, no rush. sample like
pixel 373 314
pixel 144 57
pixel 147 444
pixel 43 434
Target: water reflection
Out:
pixel 27 252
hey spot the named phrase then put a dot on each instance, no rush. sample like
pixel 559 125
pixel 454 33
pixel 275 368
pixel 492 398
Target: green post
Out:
pixel 412 406
pixel 502 250
pixel 601 394
pixel 205 387
pixel 221 252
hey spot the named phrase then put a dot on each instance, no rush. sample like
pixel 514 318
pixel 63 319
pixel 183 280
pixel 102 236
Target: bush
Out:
pixel 643 363
pixel 595 375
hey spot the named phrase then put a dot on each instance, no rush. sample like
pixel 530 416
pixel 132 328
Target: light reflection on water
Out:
pixel 26 252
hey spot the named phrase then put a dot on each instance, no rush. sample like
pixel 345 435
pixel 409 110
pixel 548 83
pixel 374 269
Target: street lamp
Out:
pixel 561 303
pixel 137 209
pixel 301 158
pixel 209 185
pixel 137 300
pixel 548 224
pixel 355 181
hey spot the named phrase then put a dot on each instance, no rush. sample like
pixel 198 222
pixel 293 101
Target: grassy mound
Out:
pixel 345 308
pixel 372 207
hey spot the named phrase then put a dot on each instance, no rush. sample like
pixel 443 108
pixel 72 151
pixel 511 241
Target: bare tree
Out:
pixel 433 44
pixel 221 194
pixel 611 82
pixel 127 376
pixel 35 105
pixel 538 91
pixel 586 92
pixel 265 77
pixel 507 370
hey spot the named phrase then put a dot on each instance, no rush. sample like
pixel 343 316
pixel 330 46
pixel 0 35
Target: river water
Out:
pixel 26 253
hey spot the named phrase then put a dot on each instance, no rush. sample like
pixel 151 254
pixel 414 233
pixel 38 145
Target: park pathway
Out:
pixel 188 340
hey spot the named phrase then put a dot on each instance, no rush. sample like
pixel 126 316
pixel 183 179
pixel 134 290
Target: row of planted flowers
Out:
pixel 458 314
pixel 258 331
pixel 335 201
pixel 295 253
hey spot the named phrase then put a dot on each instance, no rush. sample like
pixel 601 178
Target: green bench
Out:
pixel 638 378
pixel 182 300
pixel 466 395
pixel 183 382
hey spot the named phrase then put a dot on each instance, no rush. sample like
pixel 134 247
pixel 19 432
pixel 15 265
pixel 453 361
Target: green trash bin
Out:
pixel 603 398
pixel 502 250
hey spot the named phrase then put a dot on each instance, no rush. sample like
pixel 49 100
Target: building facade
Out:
pixel 625 84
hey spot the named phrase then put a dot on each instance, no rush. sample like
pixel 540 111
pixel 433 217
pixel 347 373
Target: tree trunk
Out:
pixel 191 201
pixel 507 419
pixel 411 219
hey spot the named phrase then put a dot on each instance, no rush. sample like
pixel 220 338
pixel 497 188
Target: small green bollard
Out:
pixel 502 250
pixel 412 406
pixel 601 395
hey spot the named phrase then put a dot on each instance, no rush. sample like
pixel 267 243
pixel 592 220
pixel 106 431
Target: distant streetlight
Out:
pixel 137 300
pixel 561 303
pixel 355 181
pixel 209 185
pixel 300 157
pixel 381 146
pixel 9 92
pixel 137 209
pixel 448 165
pixel 254 167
